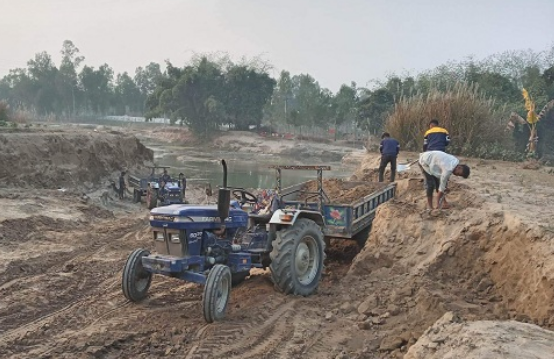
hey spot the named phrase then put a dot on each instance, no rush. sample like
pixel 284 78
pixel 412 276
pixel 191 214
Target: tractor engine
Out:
pixel 217 249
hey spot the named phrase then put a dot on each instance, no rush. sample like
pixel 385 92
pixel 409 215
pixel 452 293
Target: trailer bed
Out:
pixel 348 207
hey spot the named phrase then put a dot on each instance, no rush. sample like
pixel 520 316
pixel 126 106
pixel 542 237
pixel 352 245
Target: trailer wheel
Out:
pixel 136 196
pixel 152 198
pixel 216 293
pixel 297 258
pixel 135 280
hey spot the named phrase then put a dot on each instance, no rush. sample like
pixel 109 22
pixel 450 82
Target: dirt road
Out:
pixel 488 258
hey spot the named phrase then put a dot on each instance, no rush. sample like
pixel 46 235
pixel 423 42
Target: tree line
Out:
pixel 212 91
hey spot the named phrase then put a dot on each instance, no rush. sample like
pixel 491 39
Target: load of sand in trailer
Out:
pixel 341 191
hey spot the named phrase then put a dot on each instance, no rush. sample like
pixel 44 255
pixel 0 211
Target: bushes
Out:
pixel 3 113
pixel 475 127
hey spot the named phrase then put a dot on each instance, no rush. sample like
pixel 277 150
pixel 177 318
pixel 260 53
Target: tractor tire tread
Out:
pixel 209 300
pixel 282 256
pixel 129 273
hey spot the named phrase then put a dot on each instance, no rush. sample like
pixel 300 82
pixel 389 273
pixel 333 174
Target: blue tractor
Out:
pixel 217 246
pixel 151 187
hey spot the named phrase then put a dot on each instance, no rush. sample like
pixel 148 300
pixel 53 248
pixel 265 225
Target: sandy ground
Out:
pixel 474 280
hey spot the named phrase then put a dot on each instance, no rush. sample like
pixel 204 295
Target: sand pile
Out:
pixel 63 159
pixel 478 263
pixel 368 169
pixel 451 338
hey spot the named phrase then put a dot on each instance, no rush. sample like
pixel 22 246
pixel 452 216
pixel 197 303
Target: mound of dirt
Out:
pixel 451 338
pixel 480 263
pixel 64 159
pixel 341 191
pixel 368 170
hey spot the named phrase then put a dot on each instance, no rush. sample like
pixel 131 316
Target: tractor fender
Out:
pixel 297 214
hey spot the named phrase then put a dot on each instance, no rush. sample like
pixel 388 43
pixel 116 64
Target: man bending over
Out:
pixel 437 166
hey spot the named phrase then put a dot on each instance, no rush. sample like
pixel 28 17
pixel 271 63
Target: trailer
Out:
pixel 342 220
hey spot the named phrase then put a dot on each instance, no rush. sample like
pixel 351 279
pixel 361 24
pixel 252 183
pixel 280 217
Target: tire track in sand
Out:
pixel 260 336
pixel 108 284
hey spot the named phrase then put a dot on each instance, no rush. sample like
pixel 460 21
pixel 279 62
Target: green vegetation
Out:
pixel 472 99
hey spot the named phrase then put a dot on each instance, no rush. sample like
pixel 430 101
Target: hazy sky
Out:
pixel 335 41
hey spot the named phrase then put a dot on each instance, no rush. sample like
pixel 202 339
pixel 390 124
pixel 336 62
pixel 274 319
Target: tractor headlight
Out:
pixel 159 236
pixel 182 219
pixel 286 217
pixel 175 238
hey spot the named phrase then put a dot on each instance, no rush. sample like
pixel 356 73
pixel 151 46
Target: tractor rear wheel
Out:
pixel 152 198
pixel 297 258
pixel 216 293
pixel 136 280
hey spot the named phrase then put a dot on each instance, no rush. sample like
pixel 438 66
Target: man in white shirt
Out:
pixel 437 167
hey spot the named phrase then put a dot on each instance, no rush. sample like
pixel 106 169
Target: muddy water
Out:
pixel 244 169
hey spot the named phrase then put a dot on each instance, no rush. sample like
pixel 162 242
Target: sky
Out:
pixel 334 41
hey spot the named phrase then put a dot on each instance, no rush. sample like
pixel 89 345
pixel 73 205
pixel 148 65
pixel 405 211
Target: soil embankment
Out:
pixel 66 158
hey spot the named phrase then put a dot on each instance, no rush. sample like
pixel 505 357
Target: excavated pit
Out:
pixel 474 261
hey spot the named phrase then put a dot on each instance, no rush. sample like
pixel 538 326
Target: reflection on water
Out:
pixel 244 170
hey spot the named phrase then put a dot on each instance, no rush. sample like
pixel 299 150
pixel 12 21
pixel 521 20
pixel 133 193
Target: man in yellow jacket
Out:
pixel 436 138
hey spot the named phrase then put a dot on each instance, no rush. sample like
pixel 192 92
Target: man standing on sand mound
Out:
pixel 437 166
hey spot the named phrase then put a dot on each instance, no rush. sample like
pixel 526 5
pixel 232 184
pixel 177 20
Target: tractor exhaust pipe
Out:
pixel 224 196
pixel 224 164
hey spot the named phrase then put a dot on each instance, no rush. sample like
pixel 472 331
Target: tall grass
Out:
pixel 470 117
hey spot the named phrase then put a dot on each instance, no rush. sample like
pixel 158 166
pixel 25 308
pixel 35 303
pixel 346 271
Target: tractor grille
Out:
pixel 159 217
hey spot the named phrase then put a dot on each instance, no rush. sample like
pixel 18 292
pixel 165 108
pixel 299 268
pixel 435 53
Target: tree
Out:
pixel 246 93
pixel 346 105
pixel 373 109
pixel 97 87
pixel 281 100
pixel 128 98
pixel 307 94
pixel 67 80
pixel 42 73
pixel 191 96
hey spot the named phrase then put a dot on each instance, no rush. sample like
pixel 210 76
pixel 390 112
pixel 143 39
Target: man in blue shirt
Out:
pixel 389 149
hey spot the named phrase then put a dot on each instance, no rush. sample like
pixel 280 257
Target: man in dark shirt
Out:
pixel 389 149
pixel 436 138
pixel 165 177
pixel 121 185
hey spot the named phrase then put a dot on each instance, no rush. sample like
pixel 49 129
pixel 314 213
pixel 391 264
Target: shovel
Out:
pixel 405 167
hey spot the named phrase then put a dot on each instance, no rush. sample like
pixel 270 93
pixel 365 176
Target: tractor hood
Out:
pixel 196 213
pixel 172 186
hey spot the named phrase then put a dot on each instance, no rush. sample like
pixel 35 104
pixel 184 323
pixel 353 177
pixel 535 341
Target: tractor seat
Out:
pixel 260 218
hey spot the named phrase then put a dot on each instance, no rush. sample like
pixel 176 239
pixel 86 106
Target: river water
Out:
pixel 245 170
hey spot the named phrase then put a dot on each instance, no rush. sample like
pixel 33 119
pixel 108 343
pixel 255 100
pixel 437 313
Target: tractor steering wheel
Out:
pixel 244 196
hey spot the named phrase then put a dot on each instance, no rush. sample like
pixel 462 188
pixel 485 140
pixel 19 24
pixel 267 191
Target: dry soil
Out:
pixel 477 279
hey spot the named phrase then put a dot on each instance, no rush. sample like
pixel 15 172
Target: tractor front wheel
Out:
pixel 297 258
pixel 152 198
pixel 216 293
pixel 136 280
